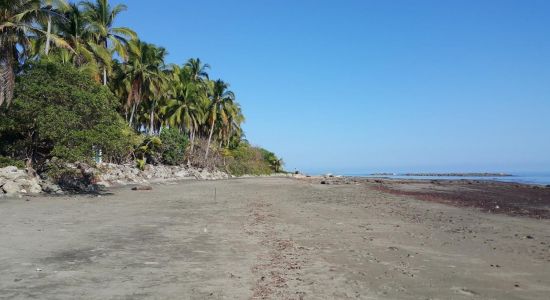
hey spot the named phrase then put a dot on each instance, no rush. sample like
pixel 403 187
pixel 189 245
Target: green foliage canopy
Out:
pixel 174 144
pixel 58 111
pixel 246 159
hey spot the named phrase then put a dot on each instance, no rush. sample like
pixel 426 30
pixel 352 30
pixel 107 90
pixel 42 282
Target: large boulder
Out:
pixel 29 185
pixel 11 188
pixel 12 173
pixel 50 188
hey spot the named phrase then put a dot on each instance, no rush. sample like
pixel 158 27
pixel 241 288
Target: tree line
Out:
pixel 153 95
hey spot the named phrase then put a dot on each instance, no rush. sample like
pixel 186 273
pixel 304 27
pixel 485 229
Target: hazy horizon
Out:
pixel 360 86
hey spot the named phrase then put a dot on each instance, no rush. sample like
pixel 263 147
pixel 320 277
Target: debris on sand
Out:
pixel 142 188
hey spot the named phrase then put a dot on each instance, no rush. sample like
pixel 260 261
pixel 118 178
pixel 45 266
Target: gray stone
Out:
pixel 12 173
pixel 11 188
pixel 49 187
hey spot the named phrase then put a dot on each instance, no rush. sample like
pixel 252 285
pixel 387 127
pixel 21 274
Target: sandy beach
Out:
pixel 273 238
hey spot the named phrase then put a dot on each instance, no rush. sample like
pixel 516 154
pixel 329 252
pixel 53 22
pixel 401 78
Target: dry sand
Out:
pixel 266 238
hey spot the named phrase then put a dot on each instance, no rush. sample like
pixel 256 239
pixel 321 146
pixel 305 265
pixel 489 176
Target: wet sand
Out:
pixel 269 238
pixel 513 199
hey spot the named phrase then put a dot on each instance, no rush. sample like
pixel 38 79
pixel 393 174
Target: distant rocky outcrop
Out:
pixel 459 174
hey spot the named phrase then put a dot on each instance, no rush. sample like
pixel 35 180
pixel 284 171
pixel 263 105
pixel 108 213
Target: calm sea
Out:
pixel 542 178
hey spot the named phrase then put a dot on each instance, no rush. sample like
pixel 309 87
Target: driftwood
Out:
pixel 142 188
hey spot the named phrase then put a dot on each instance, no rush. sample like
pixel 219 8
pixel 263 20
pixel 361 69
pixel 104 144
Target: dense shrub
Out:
pixel 174 143
pixel 246 159
pixel 8 161
pixel 59 112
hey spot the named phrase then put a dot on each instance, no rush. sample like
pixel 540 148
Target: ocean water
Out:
pixel 541 178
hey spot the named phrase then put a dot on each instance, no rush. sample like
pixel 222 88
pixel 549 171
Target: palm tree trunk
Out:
pixel 48 35
pixel 191 149
pixel 209 140
pixel 105 67
pixel 132 114
pixel 152 120
pixel 192 141
pixel 7 74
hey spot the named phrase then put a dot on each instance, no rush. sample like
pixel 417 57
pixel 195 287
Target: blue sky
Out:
pixel 361 86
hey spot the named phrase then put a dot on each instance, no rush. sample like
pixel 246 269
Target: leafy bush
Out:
pixel 245 159
pixel 275 163
pixel 59 112
pixel 8 161
pixel 174 143
pixel 149 151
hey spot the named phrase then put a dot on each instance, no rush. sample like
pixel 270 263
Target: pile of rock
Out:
pixel 113 174
pixel 17 182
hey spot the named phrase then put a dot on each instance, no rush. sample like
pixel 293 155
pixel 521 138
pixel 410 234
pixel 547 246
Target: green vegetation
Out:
pixel 174 143
pixel 58 112
pixel 246 159
pixel 73 84
pixel 8 161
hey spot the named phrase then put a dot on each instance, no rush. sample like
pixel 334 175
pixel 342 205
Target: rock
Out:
pixel 79 183
pixel 31 185
pixel 12 173
pixel 49 187
pixel 11 188
pixel 181 174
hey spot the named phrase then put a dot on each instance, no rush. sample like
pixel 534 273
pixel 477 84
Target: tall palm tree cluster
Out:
pixel 153 95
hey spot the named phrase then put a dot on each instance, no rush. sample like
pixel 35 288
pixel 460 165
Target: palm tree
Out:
pixel 197 76
pixel 87 54
pixel 101 18
pixel 184 109
pixel 277 165
pixel 52 8
pixel 222 100
pixel 17 20
pixel 197 70
pixel 232 127
pixel 16 17
pixel 144 76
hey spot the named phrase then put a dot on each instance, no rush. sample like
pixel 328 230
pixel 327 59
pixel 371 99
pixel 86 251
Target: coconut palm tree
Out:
pixel 221 104
pixel 52 9
pixel 144 77
pixel 197 70
pixel 184 109
pixel 17 29
pixel 101 17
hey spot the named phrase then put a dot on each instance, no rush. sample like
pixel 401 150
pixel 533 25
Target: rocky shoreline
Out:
pixel 475 174
pixel 16 182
